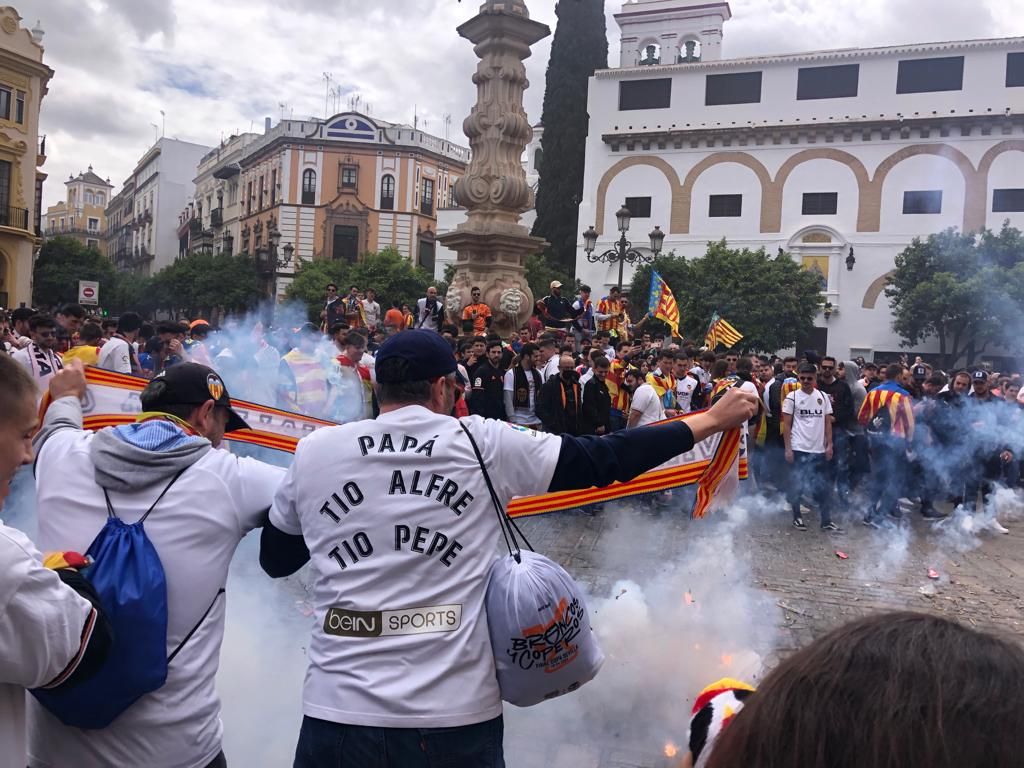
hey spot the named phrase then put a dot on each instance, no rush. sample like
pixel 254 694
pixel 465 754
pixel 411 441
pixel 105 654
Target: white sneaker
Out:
pixel 999 527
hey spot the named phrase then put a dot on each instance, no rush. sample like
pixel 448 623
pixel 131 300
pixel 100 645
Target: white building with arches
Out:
pixel 815 153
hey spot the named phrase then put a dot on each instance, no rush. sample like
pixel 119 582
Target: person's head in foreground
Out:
pixel 18 420
pixel 894 690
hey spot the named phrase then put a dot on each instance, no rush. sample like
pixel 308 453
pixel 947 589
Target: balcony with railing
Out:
pixel 14 218
pixel 217 217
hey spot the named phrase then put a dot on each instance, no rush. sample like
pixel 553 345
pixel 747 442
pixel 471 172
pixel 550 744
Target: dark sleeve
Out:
pixel 543 412
pixel 97 636
pixel 844 406
pixel 595 460
pixel 281 554
pixel 590 409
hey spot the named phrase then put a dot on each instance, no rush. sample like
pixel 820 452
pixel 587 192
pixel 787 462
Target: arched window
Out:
pixel 309 187
pixel 88 197
pixel 387 193
pixel 100 199
pixel 650 55
pixel 690 52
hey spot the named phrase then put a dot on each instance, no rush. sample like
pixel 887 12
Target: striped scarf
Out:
pixel 665 387
pixel 310 393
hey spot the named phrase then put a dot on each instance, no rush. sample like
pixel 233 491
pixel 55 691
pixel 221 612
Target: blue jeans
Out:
pixel 810 473
pixel 888 464
pixel 323 744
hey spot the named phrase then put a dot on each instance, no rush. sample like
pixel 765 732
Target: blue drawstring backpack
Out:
pixel 128 577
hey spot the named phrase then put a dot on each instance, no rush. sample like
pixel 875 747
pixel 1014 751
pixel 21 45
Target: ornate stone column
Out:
pixel 491 244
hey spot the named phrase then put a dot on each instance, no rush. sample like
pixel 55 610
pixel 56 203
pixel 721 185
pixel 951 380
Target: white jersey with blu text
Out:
pixel 402 534
pixel 809 413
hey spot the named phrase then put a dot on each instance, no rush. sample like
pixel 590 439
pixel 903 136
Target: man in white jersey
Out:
pixel 397 519
pixel 686 383
pixel 211 499
pixel 807 431
pixel 51 633
pixel 40 358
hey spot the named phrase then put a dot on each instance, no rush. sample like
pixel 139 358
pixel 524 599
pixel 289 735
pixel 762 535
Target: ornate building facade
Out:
pixel 340 188
pixel 82 214
pixel 23 82
pixel 839 157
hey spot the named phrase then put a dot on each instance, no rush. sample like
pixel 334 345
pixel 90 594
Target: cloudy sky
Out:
pixel 220 66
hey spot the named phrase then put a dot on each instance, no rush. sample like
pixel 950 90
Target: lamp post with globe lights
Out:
pixel 623 252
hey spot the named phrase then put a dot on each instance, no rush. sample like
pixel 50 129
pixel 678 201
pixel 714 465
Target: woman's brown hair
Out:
pixel 894 690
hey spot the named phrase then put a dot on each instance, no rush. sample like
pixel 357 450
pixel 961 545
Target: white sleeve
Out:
pixel 642 399
pixel 42 621
pixel 789 404
pixel 258 483
pixel 21 357
pixel 509 381
pixel 519 460
pixel 283 514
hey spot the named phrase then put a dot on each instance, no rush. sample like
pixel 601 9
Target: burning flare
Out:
pixel 671 750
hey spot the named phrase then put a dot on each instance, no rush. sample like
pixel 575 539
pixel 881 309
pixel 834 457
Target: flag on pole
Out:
pixel 721 332
pixel 662 304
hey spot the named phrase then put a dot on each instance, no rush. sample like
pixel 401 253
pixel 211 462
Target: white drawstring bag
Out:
pixel 540 629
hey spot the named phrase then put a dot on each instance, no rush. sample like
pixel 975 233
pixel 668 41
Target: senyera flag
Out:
pixel 113 399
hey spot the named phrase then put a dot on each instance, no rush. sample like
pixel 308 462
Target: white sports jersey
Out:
pixel 41 622
pixel 685 387
pixel 41 363
pixel 115 355
pixel 809 413
pixel 402 534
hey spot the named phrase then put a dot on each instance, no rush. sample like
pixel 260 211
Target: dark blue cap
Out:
pixel 425 353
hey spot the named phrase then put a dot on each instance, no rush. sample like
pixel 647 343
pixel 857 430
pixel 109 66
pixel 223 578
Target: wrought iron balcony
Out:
pixel 16 218
pixel 217 217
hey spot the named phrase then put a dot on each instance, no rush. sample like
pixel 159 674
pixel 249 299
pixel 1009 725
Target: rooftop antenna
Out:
pixel 282 106
pixel 328 77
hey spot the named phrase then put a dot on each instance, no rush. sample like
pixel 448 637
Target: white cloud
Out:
pixel 220 67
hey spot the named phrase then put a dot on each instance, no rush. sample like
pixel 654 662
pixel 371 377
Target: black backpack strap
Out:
pixel 110 507
pixel 199 623
pixel 509 528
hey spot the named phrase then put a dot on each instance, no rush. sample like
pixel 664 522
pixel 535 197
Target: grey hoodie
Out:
pixel 852 373
pixel 121 466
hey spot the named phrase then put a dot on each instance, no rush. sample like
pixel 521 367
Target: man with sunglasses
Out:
pixel 40 358
pixel 807 431
pixel 334 309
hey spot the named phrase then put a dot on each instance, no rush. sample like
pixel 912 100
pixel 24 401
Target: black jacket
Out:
pixel 842 402
pixel 488 398
pixel 558 417
pixel 597 407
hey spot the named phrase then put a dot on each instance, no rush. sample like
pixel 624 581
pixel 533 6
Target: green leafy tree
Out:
pixel 964 290
pixel 579 47
pixel 771 300
pixel 202 285
pixel 388 272
pixel 539 274
pixel 62 262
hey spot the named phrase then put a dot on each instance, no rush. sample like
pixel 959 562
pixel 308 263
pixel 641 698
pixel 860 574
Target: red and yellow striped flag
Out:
pixel 662 304
pixel 721 332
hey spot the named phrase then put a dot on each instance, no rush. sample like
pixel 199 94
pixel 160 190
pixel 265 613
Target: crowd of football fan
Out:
pixel 834 433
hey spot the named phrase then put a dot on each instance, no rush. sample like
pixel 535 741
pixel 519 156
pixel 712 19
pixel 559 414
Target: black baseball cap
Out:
pixel 979 376
pixel 190 384
pixel 425 354
pixel 920 372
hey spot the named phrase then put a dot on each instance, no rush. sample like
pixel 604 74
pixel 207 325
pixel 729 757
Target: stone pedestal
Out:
pixel 491 245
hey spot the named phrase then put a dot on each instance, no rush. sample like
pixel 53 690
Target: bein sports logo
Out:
pixel 341 622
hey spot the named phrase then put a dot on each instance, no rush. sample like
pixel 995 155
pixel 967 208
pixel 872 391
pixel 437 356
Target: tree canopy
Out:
pixel 579 47
pixel 965 290
pixel 771 300
pixel 62 262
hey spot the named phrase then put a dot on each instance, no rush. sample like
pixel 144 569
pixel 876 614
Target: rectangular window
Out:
pixel 346 243
pixel 820 203
pixel 1014 70
pixel 725 206
pixel 5 103
pixel 930 75
pixel 640 207
pixel 426 256
pixel 273 188
pixel 427 204
pixel 5 189
pixel 248 198
pixel 94 224
pixel 837 82
pixel 19 108
pixel 90 243
pixel 1008 201
pixel 348 177
pixel 738 88
pixel 261 193
pixel 922 202
pixel 645 94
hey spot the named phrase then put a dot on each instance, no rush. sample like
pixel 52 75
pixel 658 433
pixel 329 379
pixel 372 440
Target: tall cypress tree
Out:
pixel 579 47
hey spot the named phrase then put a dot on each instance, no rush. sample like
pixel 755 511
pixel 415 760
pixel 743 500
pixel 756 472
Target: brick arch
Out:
pixel 777 189
pixel 974 185
pixel 741 158
pixel 875 290
pixel 676 221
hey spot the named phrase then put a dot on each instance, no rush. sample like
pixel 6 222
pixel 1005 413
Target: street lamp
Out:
pixel 623 251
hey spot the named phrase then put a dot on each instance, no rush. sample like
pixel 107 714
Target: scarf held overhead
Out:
pixel 112 399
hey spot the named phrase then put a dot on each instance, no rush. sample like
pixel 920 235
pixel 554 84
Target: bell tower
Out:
pixel 658 32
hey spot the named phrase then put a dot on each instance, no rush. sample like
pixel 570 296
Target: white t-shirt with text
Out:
pixel 526 416
pixel 685 387
pixel 648 404
pixel 402 534
pixel 809 412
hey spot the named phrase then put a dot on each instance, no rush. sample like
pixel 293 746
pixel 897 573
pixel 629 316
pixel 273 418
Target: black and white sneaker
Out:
pixel 870 523
pixel 832 528
pixel 798 523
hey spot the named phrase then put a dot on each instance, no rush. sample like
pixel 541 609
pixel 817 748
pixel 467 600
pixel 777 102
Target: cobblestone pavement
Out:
pixel 809 586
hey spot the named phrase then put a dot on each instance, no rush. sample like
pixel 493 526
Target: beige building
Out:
pixel 23 81
pixel 82 214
